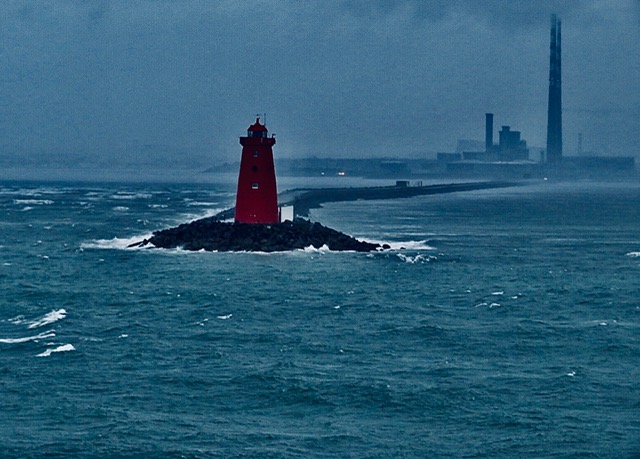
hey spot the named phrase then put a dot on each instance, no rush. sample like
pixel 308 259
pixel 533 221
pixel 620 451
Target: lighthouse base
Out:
pixel 211 235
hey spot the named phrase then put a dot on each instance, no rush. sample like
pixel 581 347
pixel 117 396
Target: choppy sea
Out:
pixel 503 323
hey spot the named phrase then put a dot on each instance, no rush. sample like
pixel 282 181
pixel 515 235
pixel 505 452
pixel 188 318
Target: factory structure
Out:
pixel 554 109
pixel 510 147
pixel 509 157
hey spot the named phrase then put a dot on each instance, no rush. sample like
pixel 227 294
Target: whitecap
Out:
pixel 17 320
pixel 201 204
pixel 633 254
pixel 494 305
pixel 43 335
pixel 228 316
pixel 418 258
pixel 26 209
pixel 405 245
pixel 120 208
pixel 125 195
pixel 311 249
pixel 115 243
pixel 33 202
pixel 49 318
pixel 498 293
pixel 63 348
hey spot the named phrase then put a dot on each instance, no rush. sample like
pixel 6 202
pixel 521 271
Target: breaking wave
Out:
pixel 43 335
pixel 406 245
pixel 33 202
pixel 63 348
pixel 419 258
pixel 115 243
pixel 128 195
pixel 49 318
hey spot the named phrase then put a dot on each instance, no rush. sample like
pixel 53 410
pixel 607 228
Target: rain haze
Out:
pixel 438 257
pixel 173 84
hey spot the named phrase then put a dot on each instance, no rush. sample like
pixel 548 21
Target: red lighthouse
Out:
pixel 257 197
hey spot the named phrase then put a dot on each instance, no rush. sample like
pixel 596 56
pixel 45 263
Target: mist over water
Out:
pixel 503 323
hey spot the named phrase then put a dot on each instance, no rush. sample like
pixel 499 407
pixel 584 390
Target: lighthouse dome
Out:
pixel 257 129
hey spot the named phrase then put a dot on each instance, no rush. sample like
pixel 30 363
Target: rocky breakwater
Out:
pixel 211 234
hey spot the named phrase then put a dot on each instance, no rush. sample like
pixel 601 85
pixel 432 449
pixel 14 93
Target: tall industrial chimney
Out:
pixel 554 112
pixel 488 134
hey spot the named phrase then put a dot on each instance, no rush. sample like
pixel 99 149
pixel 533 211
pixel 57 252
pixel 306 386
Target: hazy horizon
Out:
pixel 113 84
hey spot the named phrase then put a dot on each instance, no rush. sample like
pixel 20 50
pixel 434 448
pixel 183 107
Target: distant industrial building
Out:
pixel 511 146
pixel 581 165
pixel 510 157
pixel 554 110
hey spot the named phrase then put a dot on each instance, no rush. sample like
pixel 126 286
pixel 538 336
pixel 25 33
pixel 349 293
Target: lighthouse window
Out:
pixel 254 185
pixel 255 154
pixel 254 168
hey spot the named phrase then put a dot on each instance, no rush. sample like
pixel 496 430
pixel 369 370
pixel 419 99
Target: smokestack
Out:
pixel 554 112
pixel 488 132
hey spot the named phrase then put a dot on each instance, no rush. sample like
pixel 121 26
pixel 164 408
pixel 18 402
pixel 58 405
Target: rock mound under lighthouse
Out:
pixel 209 234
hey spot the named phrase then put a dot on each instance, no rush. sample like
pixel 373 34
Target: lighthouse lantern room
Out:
pixel 257 197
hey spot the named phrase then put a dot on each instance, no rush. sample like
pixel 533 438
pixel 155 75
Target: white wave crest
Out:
pixel 633 254
pixel 311 249
pixel 405 245
pixel 17 320
pixel 49 318
pixel 33 202
pixel 420 258
pixel 63 348
pixel 43 335
pixel 126 195
pixel 120 208
pixel 201 204
pixel 115 243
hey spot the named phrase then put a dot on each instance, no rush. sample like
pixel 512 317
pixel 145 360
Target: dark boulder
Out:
pixel 212 235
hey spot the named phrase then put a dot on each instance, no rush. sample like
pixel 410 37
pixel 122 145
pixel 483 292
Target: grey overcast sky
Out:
pixel 345 78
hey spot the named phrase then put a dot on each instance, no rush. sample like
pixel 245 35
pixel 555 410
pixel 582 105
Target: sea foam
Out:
pixel 419 258
pixel 43 335
pixel 33 202
pixel 115 243
pixel 63 348
pixel 49 318
pixel 405 245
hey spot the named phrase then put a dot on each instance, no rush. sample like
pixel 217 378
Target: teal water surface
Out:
pixel 503 323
